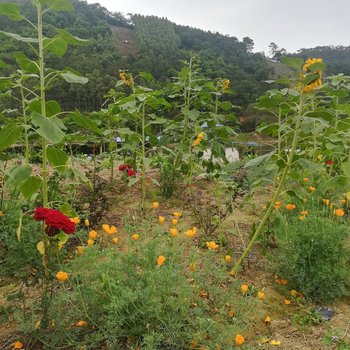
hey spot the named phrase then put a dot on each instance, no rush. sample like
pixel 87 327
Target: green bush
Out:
pixel 129 302
pixel 314 257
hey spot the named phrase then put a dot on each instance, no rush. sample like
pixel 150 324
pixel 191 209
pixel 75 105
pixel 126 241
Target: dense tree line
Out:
pixel 161 46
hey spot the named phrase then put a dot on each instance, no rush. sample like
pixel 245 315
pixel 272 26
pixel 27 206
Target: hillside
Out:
pixel 156 45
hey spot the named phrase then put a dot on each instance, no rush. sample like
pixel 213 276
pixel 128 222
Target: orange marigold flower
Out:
pixel 290 206
pixel 174 221
pixel 284 282
pixel 278 205
pixel 312 189
pixel 161 219
pixel 304 212
pixel 305 179
pixel 189 233
pixel 230 313
pixel 62 276
pixel 160 260
pixel 109 229
pixel 155 205
pixel 261 295
pixel 339 212
pixel 239 340
pixel 81 323
pixel 92 234
pixel 211 245
pixel 75 220
pixel 287 301
pixel 227 259
pixel 244 288
pixel 135 236
pixel 174 232
pixel 17 345
pixel 343 201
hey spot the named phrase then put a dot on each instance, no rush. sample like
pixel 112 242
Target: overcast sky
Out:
pixel 291 24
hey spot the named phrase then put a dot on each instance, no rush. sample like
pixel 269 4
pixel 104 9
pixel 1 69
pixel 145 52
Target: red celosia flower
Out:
pixel 329 162
pixel 124 167
pixel 54 220
pixel 131 172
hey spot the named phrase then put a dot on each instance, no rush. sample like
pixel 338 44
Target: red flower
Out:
pixel 329 162
pixel 131 172
pixel 124 167
pixel 54 220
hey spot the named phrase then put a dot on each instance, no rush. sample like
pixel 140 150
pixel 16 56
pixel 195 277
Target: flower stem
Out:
pixel 277 191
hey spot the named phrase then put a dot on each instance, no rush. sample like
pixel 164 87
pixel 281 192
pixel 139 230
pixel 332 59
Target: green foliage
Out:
pixel 314 258
pixel 18 256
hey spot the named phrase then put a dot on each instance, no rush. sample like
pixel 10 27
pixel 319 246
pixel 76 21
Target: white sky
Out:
pixel 291 24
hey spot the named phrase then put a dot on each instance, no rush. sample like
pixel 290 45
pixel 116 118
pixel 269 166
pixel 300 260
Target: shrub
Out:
pixel 313 258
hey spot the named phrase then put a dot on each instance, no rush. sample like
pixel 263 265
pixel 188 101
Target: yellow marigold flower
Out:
pixel 135 236
pixel 87 222
pixel 278 205
pixel 227 259
pixel 275 342
pixel 115 240
pixel 194 229
pixel 267 319
pixel 293 293
pixel 339 212
pixel 343 201
pixel 232 272
pixel 174 221
pixel 17 345
pixel 312 189
pixel 261 295
pixel 177 214
pixel 244 288
pixel 62 276
pixel 81 323
pixel 305 179
pixel 92 234
pixel 160 260
pixel 192 266
pixel 76 220
pixel 174 232
pixel 239 340
pixel 302 217
pixel 190 233
pixel 155 205
pixel 211 245
pixel 287 302
pixel 1 214
pixel 90 242
pixel 80 250
pixel 304 212
pixel 225 84
pixel 161 219
pixel 105 227
pixel 290 206
pixel 326 202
